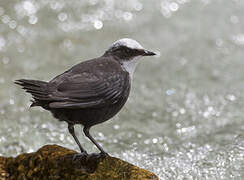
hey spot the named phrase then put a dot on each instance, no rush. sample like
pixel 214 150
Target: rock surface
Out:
pixel 56 162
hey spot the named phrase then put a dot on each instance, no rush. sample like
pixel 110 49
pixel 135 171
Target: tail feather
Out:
pixel 38 90
pixel 32 83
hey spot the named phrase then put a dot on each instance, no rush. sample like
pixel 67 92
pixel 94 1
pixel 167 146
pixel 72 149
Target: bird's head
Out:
pixel 127 52
pixel 127 49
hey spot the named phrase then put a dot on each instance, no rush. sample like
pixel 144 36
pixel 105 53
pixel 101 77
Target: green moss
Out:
pixel 55 162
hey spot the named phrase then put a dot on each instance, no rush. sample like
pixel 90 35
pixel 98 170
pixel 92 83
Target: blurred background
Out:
pixel 184 118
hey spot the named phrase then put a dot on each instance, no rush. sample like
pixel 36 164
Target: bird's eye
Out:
pixel 127 50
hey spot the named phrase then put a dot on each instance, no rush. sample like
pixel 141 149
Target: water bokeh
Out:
pixel 184 118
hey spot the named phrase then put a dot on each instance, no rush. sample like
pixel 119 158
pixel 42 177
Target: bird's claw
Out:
pixel 103 154
pixel 80 156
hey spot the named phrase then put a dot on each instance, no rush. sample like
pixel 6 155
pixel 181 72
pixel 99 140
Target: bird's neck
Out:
pixel 130 65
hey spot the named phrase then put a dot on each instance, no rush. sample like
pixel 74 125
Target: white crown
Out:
pixel 130 43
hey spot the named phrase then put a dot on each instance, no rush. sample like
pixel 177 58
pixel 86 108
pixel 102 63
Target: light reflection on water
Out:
pixel 184 118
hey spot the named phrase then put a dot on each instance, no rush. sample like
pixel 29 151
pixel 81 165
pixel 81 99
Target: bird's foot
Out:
pixel 87 157
pixel 96 156
pixel 103 154
pixel 82 155
pixel 88 162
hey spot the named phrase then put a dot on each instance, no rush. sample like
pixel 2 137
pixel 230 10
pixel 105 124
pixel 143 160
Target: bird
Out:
pixel 91 92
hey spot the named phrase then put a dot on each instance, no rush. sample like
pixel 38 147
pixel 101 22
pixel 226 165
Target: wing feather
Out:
pixel 78 92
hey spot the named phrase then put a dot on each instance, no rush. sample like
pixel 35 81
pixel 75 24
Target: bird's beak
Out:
pixel 148 53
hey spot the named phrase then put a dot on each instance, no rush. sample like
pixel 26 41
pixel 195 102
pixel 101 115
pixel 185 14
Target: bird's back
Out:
pixel 88 93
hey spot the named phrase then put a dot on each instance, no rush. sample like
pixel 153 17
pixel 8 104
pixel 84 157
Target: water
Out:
pixel 184 118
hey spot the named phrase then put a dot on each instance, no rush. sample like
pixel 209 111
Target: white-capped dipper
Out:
pixel 92 91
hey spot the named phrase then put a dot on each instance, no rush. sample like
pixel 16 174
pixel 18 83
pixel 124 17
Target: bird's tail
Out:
pixel 38 90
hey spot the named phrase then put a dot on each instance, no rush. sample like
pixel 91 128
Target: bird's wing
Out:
pixel 89 90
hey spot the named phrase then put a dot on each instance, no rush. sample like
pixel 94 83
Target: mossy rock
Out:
pixel 56 162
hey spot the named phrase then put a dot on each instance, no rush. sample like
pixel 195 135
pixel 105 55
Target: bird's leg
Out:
pixel 72 132
pixel 86 131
